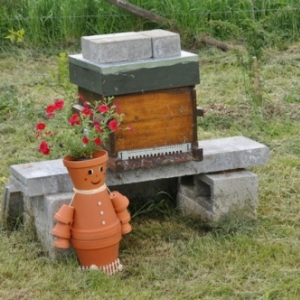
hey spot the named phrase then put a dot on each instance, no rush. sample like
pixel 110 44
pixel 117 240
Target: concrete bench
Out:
pixel 210 188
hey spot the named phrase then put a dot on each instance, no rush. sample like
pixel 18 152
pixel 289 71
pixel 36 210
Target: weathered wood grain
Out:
pixel 153 119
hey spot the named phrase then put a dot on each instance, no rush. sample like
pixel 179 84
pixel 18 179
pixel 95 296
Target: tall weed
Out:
pixel 50 22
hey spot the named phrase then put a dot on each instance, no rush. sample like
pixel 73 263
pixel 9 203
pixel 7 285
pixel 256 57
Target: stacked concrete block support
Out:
pixel 210 188
pixel 215 195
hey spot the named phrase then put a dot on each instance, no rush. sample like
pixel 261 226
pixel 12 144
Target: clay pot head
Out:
pixel 87 174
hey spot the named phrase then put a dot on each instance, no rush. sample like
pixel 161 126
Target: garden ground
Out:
pixel 168 256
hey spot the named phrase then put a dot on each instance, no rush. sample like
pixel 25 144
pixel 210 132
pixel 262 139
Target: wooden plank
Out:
pixel 154 133
pixel 155 106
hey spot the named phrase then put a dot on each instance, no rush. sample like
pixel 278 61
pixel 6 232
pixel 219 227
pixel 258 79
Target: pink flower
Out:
pixel 118 111
pixel 80 96
pixel 131 128
pixel 113 125
pixel 74 120
pixel 103 108
pixel 44 148
pixel 50 115
pixel 98 128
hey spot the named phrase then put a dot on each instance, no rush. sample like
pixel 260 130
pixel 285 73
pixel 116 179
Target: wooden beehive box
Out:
pixel 158 98
pixel 153 119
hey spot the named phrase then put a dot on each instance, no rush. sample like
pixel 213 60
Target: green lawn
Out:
pixel 169 256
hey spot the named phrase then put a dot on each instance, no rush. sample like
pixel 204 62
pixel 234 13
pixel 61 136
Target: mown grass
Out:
pixel 170 256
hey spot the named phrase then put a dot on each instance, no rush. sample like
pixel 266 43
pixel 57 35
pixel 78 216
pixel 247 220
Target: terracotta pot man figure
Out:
pixel 98 217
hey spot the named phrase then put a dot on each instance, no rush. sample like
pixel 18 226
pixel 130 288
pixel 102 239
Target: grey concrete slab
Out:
pixel 133 77
pixel 119 67
pixel 51 177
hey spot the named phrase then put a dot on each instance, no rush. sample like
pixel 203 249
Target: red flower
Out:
pixel 113 125
pixel 50 115
pixel 98 128
pixel 103 108
pixel 117 107
pixel 80 96
pixel 40 126
pixel 50 109
pixel 87 111
pixel 59 104
pixel 131 128
pixel 85 140
pixel 74 120
pixel 44 148
pixel 97 141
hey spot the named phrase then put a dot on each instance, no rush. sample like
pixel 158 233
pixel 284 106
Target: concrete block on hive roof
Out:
pixel 164 43
pixel 86 40
pixel 128 46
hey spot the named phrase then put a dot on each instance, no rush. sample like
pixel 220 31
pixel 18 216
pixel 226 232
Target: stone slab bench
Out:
pixel 209 188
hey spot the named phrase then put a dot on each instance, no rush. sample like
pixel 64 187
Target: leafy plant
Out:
pixel 79 134
pixel 16 36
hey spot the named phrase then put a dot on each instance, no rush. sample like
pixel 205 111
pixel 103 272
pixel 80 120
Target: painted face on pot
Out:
pixel 89 178
pixel 93 177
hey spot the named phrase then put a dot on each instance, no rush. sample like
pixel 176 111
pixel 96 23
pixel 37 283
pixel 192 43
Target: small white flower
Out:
pixel 120 268
pixel 93 267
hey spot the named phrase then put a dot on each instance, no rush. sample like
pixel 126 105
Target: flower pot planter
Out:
pixel 62 243
pixel 120 204
pixel 96 229
pixel 65 214
pixel 62 230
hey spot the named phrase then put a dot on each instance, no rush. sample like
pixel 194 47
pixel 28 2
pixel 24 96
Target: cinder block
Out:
pixel 164 43
pixel 12 205
pixel 43 210
pixel 217 194
pixel 87 40
pixel 116 47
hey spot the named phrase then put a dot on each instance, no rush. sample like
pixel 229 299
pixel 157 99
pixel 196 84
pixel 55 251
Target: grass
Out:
pixel 170 256
pixel 62 23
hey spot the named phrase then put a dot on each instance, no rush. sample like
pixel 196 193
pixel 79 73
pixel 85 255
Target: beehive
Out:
pixel 158 98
